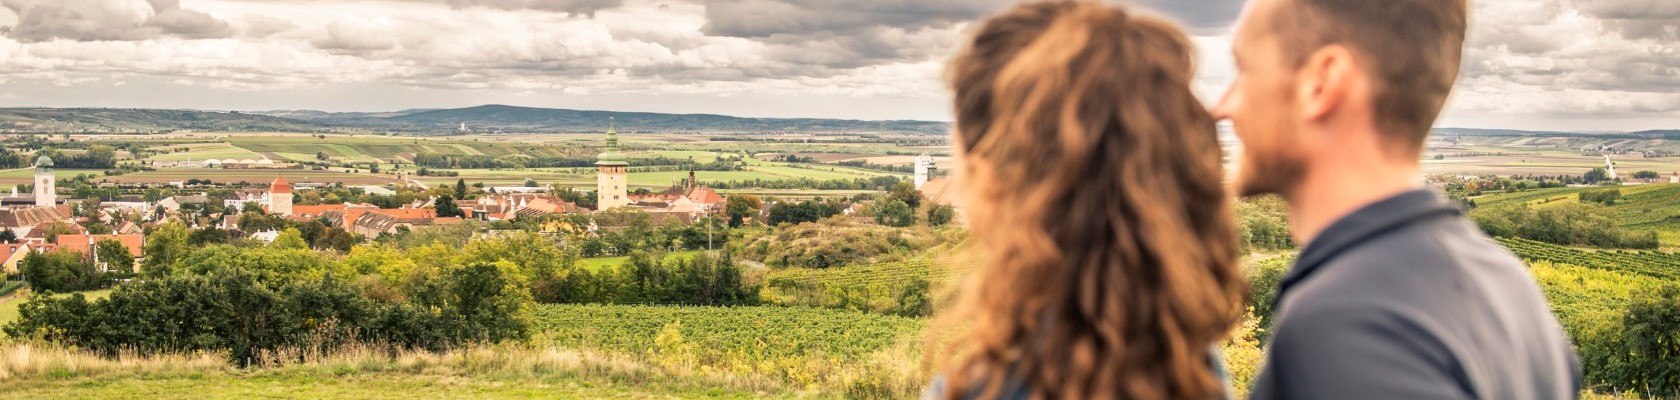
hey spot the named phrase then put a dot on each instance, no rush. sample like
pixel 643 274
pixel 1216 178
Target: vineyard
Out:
pixel 1649 263
pixel 797 345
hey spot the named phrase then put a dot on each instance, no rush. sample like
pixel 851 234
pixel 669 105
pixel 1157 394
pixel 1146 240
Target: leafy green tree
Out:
pixel 58 271
pixel 461 188
pixel 114 256
pixel 1646 175
pixel 290 238
pixel 940 215
pixel 167 245
pixel 740 207
pixel 1595 175
pixel 8 236
pixel 906 192
pixel 895 213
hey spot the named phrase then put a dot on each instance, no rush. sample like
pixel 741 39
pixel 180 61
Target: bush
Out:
pixel 895 213
pixel 1651 333
pixel 60 271
pixel 1602 196
pixel 237 310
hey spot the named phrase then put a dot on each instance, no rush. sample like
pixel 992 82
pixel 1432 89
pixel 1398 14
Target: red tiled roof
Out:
pixel 408 213
pixel 315 210
pixel 704 195
pixel 280 185
pixel 84 243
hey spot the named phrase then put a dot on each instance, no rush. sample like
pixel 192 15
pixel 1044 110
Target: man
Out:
pixel 1396 295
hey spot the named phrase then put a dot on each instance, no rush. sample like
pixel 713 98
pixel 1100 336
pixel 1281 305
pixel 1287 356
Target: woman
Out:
pixel 1093 188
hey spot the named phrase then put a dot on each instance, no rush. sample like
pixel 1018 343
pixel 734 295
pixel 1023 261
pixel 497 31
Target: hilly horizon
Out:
pixel 500 118
pixel 490 118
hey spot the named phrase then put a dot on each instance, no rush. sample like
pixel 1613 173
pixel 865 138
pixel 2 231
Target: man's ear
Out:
pixel 1324 80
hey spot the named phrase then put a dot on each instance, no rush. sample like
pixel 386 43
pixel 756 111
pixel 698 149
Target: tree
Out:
pixel 1646 175
pixel 8 236
pixel 741 206
pixel 1595 175
pixel 941 214
pixel 907 193
pixel 114 257
pixel 58 271
pixel 895 213
pixel 446 207
pixel 290 238
pixel 166 245
pixel 461 188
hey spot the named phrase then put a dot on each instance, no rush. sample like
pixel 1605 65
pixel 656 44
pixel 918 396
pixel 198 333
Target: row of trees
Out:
pixel 1565 224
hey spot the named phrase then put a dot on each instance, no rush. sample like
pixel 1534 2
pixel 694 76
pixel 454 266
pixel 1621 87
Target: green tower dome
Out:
pixel 611 157
pixel 43 162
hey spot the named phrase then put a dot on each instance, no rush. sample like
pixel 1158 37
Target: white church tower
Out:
pixel 46 191
pixel 612 176
pixel 924 167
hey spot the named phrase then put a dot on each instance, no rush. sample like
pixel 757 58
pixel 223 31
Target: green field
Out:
pixel 201 152
pixel 1654 207
pixel 598 263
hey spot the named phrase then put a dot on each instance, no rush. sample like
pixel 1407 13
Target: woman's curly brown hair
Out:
pixel 1093 188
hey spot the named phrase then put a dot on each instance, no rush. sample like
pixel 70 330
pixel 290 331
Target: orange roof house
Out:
pixel 84 243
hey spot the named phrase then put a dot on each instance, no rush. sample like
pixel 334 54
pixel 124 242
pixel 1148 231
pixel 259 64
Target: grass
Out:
pixel 598 263
pixel 37 371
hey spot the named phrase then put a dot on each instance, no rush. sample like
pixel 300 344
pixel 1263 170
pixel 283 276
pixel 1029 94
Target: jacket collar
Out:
pixel 1363 224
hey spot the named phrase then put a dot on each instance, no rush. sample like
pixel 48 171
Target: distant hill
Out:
pixel 529 119
pixel 129 120
pixel 486 118
pixel 1528 133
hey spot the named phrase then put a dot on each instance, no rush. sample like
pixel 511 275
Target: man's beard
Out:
pixel 1267 173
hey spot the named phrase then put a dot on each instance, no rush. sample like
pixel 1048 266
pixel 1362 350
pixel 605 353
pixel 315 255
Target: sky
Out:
pixel 1585 65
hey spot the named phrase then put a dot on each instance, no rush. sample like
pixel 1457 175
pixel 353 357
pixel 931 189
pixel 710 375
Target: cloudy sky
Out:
pixel 1530 64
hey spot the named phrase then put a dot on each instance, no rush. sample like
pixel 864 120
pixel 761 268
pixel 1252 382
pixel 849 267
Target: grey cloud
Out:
pixel 575 7
pixel 769 18
pixel 126 20
pixel 174 20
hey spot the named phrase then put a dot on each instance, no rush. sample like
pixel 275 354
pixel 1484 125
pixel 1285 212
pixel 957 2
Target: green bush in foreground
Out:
pixel 237 311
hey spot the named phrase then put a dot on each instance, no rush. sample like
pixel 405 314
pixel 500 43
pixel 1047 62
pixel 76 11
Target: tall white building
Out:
pixel 924 168
pixel 612 174
pixel 46 191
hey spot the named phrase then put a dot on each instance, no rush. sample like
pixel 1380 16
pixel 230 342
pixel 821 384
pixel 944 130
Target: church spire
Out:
pixel 611 157
pixel 612 134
